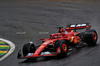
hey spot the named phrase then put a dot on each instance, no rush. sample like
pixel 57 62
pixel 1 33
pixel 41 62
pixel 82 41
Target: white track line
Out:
pixel 12 48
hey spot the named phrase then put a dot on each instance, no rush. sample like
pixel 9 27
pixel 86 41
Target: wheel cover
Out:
pixel 95 36
pixel 58 50
pixel 64 47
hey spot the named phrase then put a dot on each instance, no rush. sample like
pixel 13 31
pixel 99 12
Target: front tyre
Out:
pixel 61 48
pixel 28 48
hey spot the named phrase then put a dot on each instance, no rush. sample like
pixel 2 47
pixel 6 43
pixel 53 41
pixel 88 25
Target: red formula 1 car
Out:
pixel 59 43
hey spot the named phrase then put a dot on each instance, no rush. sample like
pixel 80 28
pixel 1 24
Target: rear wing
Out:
pixel 78 26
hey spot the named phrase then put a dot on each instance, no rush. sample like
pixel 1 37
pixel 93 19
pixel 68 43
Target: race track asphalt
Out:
pixel 22 21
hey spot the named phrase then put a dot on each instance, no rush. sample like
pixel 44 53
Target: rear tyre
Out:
pixel 61 48
pixel 28 48
pixel 90 37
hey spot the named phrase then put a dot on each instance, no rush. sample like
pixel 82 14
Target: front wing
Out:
pixel 31 55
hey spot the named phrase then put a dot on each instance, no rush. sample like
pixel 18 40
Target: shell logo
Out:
pixel 75 41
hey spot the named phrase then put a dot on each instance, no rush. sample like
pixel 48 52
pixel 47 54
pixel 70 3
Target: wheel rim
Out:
pixel 95 36
pixel 64 47
pixel 58 50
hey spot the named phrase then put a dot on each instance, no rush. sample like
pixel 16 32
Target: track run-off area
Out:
pixel 6 48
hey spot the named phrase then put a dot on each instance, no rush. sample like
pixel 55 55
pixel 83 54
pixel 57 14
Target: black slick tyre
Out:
pixel 28 48
pixel 61 48
pixel 90 37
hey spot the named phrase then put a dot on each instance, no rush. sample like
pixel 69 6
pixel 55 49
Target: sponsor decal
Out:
pixel 71 39
pixel 41 46
pixel 75 41
pixel 44 53
pixel 30 54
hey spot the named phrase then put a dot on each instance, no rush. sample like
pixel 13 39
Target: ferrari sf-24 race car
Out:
pixel 59 43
